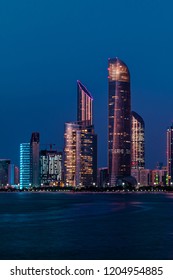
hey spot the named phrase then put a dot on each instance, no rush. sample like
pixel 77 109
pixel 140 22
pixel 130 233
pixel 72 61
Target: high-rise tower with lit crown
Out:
pixel 119 120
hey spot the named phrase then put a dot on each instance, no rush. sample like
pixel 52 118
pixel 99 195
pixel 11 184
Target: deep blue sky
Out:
pixel 46 45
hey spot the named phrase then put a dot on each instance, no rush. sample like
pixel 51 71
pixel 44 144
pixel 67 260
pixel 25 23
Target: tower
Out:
pixel 119 120
pixel 81 143
pixel 84 105
pixel 50 167
pixel 25 165
pixel 72 153
pixel 34 164
pixel 4 172
pixel 170 154
pixel 138 142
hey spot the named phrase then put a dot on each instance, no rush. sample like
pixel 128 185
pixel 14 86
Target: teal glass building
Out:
pixel 25 165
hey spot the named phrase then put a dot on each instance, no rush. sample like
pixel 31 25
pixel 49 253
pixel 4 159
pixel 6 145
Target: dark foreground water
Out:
pixel 86 226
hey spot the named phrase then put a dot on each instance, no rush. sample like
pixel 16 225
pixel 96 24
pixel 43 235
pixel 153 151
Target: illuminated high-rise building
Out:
pixel 119 121
pixel 137 144
pixel 80 150
pixel 25 178
pixel 80 155
pixel 50 167
pixel 170 154
pixel 88 171
pixel 84 105
pixel 72 148
pixel 34 164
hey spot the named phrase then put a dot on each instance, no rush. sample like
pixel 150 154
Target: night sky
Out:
pixel 46 45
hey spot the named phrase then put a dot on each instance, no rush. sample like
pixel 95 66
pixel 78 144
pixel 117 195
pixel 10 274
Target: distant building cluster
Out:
pixel 76 166
pixel 9 173
pixel 39 167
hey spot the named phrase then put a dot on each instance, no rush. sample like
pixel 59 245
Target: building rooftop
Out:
pixel 118 70
pixel 82 87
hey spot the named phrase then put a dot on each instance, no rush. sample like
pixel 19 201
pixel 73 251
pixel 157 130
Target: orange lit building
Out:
pixel 80 151
pixel 137 144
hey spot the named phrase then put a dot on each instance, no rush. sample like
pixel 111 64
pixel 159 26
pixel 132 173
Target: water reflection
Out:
pixel 86 226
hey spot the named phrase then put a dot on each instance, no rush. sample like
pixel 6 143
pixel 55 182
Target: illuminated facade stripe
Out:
pixel 25 165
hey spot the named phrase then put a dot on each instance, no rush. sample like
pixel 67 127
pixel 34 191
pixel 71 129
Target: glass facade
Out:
pixel 119 120
pixel 170 154
pixel 4 172
pixel 80 155
pixel 72 162
pixel 50 167
pixel 84 105
pixel 35 149
pixel 88 156
pixel 138 142
pixel 80 151
pixel 25 181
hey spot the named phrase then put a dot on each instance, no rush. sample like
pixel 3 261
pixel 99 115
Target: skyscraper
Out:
pixel 137 144
pixel 119 120
pixel 88 138
pixel 13 178
pixel 88 156
pixel 84 105
pixel 81 143
pixel 170 154
pixel 80 155
pixel 50 167
pixel 72 155
pixel 4 172
pixel 34 164
pixel 25 165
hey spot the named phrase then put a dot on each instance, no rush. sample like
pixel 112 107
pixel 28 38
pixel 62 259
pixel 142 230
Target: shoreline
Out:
pixel 91 192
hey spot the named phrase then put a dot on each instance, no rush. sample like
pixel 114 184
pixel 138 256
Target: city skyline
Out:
pixel 126 145
pixel 46 50
pixel 79 84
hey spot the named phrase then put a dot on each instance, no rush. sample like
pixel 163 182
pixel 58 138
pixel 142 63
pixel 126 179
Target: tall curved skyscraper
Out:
pixel 119 120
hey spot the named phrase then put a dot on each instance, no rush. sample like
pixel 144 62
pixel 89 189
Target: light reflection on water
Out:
pixel 71 226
